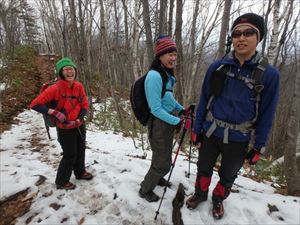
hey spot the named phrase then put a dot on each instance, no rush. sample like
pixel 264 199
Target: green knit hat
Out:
pixel 62 63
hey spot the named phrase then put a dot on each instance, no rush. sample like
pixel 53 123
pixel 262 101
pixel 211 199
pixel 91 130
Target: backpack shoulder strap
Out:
pixel 257 75
pixel 225 68
pixel 62 97
pixel 164 78
pixel 258 86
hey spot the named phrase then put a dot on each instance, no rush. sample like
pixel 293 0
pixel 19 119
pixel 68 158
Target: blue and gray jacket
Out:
pixel 161 107
pixel 236 105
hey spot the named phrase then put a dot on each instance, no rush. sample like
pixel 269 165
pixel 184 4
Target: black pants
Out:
pixel 72 142
pixel 161 136
pixel 233 155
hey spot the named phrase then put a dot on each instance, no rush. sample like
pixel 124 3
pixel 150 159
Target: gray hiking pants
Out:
pixel 161 136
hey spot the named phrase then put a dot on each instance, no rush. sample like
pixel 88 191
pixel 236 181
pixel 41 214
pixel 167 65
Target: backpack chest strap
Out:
pixel 250 83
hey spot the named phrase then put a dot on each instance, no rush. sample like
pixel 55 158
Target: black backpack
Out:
pixel 49 121
pixel 138 98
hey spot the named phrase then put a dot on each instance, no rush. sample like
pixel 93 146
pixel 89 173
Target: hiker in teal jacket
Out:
pixel 163 120
pixel 235 105
pixel 161 107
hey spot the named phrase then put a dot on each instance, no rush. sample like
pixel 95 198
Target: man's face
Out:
pixel 244 40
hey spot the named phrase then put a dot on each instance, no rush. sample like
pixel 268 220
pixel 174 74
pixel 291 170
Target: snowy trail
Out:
pixel 111 197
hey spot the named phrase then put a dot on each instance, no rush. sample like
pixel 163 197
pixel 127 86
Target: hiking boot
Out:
pixel 67 186
pixel 218 210
pixel 194 201
pixel 164 183
pixel 85 176
pixel 149 196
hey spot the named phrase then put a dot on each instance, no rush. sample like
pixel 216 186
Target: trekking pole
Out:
pixel 186 126
pixel 47 127
pixel 228 45
pixel 190 151
pixel 79 131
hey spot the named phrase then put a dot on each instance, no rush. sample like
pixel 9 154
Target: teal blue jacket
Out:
pixel 161 108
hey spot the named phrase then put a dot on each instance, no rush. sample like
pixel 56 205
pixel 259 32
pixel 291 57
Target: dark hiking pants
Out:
pixel 161 136
pixel 72 142
pixel 233 155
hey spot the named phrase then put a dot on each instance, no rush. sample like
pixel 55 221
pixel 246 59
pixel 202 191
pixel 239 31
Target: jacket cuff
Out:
pixel 82 113
pixel 41 109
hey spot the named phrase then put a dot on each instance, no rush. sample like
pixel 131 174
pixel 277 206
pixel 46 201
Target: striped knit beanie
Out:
pixel 253 20
pixel 163 45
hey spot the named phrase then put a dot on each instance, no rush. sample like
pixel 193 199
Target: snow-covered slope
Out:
pixel 112 196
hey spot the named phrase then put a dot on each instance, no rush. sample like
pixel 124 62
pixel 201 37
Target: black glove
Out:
pixel 183 112
pixel 253 156
pixel 187 111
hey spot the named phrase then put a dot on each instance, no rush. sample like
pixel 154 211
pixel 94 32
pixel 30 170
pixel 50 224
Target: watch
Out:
pixel 262 150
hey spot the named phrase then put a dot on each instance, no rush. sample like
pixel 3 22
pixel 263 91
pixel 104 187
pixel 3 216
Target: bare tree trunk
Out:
pixel 162 17
pixel 170 21
pixel 287 19
pixel 275 32
pixel 224 28
pixel 147 26
pixel 191 54
pixel 82 37
pixel 266 22
pixel 178 39
pixel 135 41
pixel 53 24
pixel 109 61
pixel 292 172
pixel 64 31
pixel 206 31
pixel 279 129
pixel 74 31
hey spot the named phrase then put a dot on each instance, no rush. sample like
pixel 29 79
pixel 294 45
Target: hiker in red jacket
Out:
pixel 67 103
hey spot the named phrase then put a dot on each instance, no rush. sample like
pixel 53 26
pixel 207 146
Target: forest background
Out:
pixel 112 43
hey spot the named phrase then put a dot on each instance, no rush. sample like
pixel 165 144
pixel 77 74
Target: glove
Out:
pixel 184 112
pixel 253 156
pixel 197 138
pixel 78 122
pixel 187 111
pixel 70 124
pixel 59 116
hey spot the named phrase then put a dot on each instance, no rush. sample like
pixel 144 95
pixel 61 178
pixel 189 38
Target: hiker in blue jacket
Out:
pixel 234 110
pixel 163 120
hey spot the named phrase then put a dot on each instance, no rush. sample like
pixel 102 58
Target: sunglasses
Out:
pixel 246 33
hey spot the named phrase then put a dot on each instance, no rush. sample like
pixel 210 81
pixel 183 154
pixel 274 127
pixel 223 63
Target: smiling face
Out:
pixel 169 59
pixel 244 41
pixel 68 73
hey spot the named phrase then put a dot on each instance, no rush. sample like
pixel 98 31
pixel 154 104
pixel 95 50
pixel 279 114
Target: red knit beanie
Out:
pixel 163 45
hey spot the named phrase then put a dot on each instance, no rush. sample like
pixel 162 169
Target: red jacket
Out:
pixel 70 101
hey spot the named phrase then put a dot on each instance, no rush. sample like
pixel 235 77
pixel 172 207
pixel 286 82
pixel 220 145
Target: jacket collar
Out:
pixel 65 84
pixel 252 62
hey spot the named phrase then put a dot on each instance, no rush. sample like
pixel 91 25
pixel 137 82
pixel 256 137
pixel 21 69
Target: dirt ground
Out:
pixel 14 102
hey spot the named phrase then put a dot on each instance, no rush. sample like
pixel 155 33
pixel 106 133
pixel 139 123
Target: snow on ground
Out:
pixel 112 196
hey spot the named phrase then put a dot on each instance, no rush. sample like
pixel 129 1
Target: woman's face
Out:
pixel 169 59
pixel 68 73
